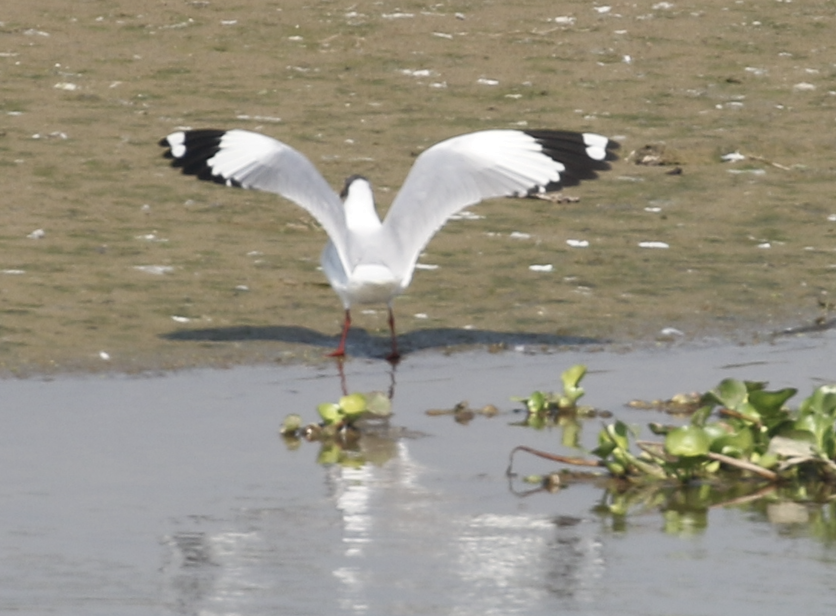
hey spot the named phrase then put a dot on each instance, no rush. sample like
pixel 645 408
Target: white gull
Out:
pixel 371 261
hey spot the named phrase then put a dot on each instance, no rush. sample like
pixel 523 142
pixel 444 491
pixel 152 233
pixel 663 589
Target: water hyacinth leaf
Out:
pixel 612 437
pixel 616 435
pixel 755 385
pixel 353 404
pixel 771 403
pixel 817 425
pixel 731 393
pixel 605 447
pixel 571 382
pixel 797 446
pixel 701 415
pixel 536 403
pixel 822 401
pixel 329 412
pixel 378 403
pixel 737 445
pixel 616 469
pixel 291 425
pixel 717 430
pixel 828 446
pixel 565 402
pixel 750 412
pixel 767 460
pixel 688 441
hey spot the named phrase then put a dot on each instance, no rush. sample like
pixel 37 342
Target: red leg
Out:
pixel 394 356
pixel 340 350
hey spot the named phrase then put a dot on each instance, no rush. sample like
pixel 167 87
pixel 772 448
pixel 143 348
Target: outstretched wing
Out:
pixel 464 170
pixel 251 160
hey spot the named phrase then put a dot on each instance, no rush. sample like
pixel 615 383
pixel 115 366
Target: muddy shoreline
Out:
pixel 135 261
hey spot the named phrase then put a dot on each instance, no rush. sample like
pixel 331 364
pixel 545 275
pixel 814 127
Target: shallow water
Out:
pixel 174 494
pixel 89 88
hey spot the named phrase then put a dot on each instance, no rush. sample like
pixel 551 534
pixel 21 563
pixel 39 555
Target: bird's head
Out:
pixel 358 200
pixel 354 184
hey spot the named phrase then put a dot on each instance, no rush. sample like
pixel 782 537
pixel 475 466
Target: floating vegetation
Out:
pixel 738 431
pixel 352 432
pixel 680 404
pixel 463 414
pixel 560 409
pixel 339 419
pixel 343 423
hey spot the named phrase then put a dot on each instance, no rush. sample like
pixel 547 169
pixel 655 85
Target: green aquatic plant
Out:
pixel 353 431
pixel 462 412
pixel 739 430
pixel 547 409
pixel 540 403
pixel 742 425
pixel 339 419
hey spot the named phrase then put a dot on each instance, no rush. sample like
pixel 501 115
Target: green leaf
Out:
pixel 604 448
pixel 571 382
pixel 353 405
pixel 688 441
pixel 828 445
pixel 536 403
pixel 717 430
pixel 616 433
pixel 701 415
pixel 755 385
pixel 817 425
pixel 731 393
pixel 291 425
pixel 770 403
pixel 739 444
pixel 566 402
pixel 616 469
pixel 767 460
pixel 378 403
pixel 798 444
pixel 822 401
pixel 330 412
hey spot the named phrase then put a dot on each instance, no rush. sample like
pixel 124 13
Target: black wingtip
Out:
pixel 198 147
pixel 571 149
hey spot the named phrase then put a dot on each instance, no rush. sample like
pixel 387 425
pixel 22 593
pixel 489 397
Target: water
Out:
pixel 174 494
pixel 748 251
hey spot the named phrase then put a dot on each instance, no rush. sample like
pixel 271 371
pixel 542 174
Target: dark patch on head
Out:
pixel 348 182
